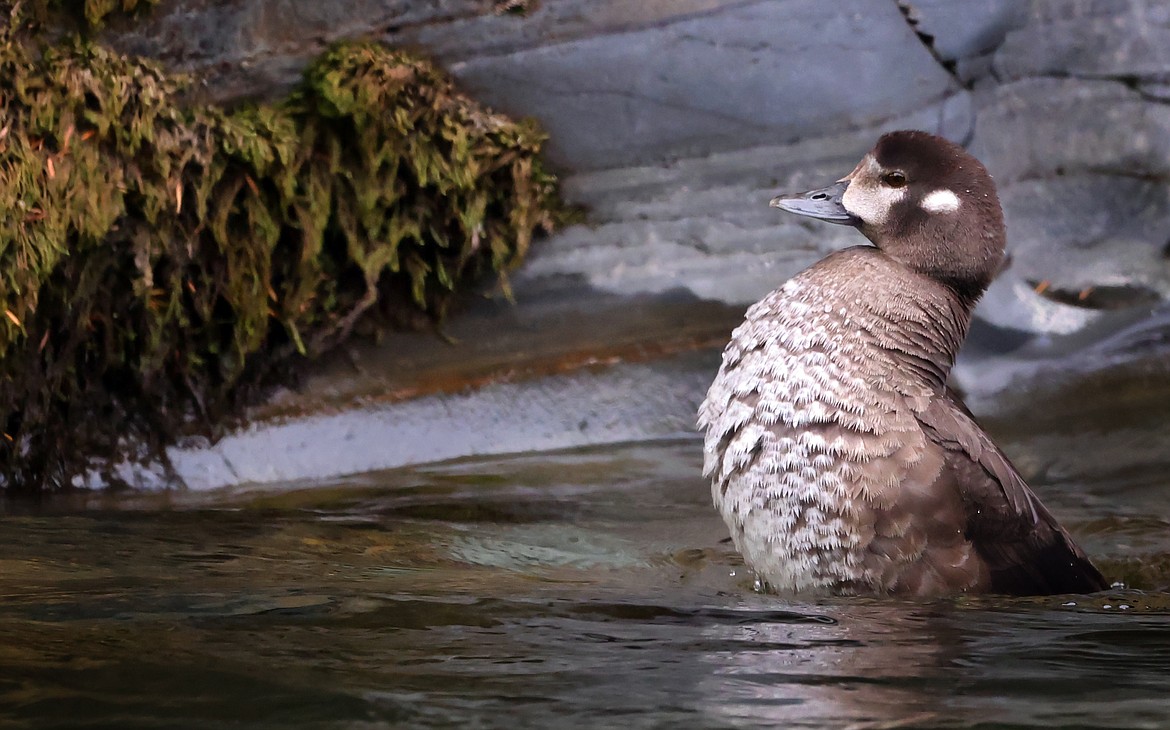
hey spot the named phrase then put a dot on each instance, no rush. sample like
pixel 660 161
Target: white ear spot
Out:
pixel 941 201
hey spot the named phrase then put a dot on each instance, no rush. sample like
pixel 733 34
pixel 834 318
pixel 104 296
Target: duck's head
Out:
pixel 925 202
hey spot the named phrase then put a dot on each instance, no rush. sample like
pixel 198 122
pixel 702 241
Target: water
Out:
pixel 589 588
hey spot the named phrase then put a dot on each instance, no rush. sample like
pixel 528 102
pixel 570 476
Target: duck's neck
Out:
pixel 914 324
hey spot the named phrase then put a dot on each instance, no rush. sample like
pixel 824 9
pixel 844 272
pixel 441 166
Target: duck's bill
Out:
pixel 823 204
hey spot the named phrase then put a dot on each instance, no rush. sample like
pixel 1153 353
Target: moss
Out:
pixel 86 14
pixel 156 262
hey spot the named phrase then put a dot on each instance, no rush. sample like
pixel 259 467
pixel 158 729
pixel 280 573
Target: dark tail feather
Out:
pixel 1051 569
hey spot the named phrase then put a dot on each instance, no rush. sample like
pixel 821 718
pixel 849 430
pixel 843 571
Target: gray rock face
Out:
pixel 615 84
pixel 1050 128
pixel 1089 39
pixel 725 80
pixel 1110 230
pixel 964 35
pixel 1082 167
pixel 964 30
pixel 650 76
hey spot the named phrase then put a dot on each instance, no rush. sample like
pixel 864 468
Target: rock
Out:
pixel 1090 231
pixel 1121 359
pixel 481 30
pixel 614 83
pixel 963 36
pixel 1089 39
pixel 1047 128
pixel 1155 91
pixel 964 30
pixel 557 412
pixel 704 225
pixel 743 75
pixel 244 48
pixel 560 368
pixel 260 43
pixel 1012 304
pixel 1083 168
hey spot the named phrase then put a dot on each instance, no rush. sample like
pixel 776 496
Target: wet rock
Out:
pixel 1118 363
pixel 632 402
pixel 565 366
pixel 250 46
pixel 246 47
pixel 1013 304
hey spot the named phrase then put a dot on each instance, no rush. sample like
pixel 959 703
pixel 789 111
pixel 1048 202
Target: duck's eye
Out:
pixel 894 179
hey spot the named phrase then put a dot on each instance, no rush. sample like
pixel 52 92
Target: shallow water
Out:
pixel 581 589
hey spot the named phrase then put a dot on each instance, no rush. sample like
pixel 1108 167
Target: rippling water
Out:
pixel 583 589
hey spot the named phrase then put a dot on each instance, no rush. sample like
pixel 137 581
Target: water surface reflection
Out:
pixel 588 588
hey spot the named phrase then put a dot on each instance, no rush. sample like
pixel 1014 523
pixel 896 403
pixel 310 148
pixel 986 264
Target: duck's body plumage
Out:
pixel 842 463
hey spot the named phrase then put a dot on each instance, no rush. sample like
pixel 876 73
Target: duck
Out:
pixel 839 457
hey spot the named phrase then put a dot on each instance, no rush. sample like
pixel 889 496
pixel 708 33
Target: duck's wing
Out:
pixel 1025 548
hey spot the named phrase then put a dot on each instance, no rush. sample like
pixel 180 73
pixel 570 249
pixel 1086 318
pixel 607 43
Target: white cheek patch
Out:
pixel 940 201
pixel 871 203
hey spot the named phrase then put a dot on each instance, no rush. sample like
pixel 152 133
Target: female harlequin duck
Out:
pixel 838 456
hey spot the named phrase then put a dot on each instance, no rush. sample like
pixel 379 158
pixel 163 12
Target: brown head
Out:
pixel 924 202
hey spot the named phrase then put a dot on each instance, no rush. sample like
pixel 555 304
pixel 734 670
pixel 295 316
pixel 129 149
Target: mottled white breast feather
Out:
pixel 806 433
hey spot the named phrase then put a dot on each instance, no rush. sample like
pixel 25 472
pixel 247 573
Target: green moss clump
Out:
pixel 88 14
pixel 156 261
pixel 96 11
